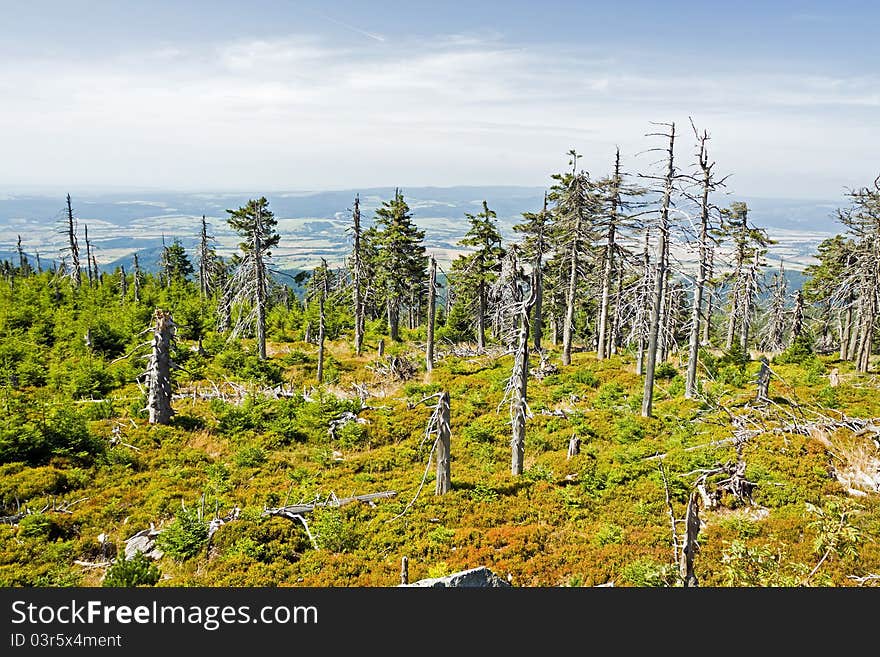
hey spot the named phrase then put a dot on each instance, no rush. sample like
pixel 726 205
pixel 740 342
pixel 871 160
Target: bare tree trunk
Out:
pixel 747 301
pixel 203 260
pixel 432 300
pixel 159 369
pixel 764 380
pixel 322 295
pixel 404 570
pixel 520 380
pixel 393 321
pixel 615 338
pixel 76 275
pixel 690 545
pixel 443 479
pixel 731 320
pixel 481 315
pixel 660 280
pixel 608 271
pixel 863 355
pixel 358 292
pixel 538 310
pixel 845 332
pixel 260 295
pixel 89 275
pixel 123 283
pixel 643 302
pixel 568 322
pixel 136 282
pixel 690 387
pixel 797 325
pixel 574 447
pixel 707 322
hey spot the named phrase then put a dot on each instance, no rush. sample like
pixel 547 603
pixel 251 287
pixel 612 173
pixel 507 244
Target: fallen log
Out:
pixel 292 510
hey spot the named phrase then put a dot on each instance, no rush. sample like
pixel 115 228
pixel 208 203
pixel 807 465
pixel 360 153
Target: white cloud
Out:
pixel 300 113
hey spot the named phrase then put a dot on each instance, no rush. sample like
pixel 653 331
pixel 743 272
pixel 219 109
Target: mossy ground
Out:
pixel 601 516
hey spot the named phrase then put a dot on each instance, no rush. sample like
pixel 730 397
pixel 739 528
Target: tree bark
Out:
pixel 659 281
pixel 690 387
pixel 432 300
pixel 358 293
pixel 76 275
pixel 608 271
pixel 443 479
pixel 520 380
pixel 159 369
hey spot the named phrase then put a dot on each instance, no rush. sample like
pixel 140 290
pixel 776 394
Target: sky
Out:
pixel 225 96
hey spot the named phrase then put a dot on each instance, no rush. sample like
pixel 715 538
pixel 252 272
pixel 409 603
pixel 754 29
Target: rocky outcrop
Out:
pixel 480 577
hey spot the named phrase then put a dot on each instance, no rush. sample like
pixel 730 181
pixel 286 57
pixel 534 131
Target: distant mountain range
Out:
pixel 314 224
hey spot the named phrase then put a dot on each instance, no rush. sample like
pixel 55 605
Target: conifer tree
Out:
pixel 400 259
pixel 479 269
pixel 255 223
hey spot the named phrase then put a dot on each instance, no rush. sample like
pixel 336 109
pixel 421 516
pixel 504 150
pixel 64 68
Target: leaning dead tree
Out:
pixel 439 428
pixel 297 512
pixel 158 374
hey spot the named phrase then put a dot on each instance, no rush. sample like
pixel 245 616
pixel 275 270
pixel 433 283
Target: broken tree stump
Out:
pixel 443 479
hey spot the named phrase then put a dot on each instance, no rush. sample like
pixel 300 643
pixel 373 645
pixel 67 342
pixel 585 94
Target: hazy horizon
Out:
pixel 223 97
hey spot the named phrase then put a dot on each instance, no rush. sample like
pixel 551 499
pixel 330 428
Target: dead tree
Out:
pixel 321 292
pixel 575 206
pixel 689 545
pixel 24 267
pixel 641 324
pixel 208 263
pixel 136 280
pixel 91 278
pixel 660 272
pixel 159 369
pixel 256 223
pixel 611 222
pixel 763 380
pixel 432 300
pixel 535 245
pixel 123 283
pixel 797 322
pixel 749 247
pixel 443 479
pixel 773 334
pixel 357 271
pixel 574 447
pixel 517 387
pixel 75 273
pixel 707 185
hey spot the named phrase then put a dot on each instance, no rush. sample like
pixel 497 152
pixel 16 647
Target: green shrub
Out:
pixel 798 352
pixel 665 371
pixel 137 571
pixel 332 531
pixel 185 537
pixel 249 457
pixel 648 573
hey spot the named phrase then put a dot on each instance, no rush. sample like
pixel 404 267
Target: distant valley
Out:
pixel 314 225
